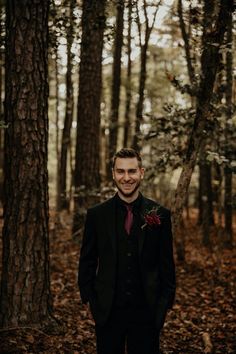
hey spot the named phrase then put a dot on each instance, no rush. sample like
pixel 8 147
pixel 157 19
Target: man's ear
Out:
pixel 142 172
pixel 112 170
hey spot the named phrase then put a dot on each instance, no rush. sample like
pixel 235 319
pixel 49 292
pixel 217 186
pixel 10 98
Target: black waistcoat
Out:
pixel 129 292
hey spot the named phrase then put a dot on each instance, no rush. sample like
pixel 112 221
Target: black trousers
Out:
pixel 132 329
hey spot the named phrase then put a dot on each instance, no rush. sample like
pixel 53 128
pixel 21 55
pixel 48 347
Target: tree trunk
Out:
pixel 25 286
pixel 139 107
pixel 57 103
pixel 1 103
pixel 143 70
pixel 63 198
pixel 209 65
pixel 87 175
pixel 205 193
pixel 228 138
pixel 128 77
pixel 206 202
pixel 116 79
pixel 185 36
pixel 200 187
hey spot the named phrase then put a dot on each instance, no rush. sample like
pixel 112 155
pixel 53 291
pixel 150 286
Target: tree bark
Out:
pixel 57 113
pixel 143 71
pixel 87 174
pixel 206 212
pixel 213 33
pixel 63 198
pixel 185 36
pixel 116 80
pixel 206 202
pixel 1 103
pixel 139 107
pixel 25 286
pixel 128 77
pixel 228 138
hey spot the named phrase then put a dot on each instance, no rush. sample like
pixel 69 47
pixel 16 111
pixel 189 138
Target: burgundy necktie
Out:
pixel 129 218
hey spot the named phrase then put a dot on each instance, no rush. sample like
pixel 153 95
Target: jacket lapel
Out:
pixel 142 230
pixel 111 223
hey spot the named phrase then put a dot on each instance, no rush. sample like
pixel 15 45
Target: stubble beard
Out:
pixel 128 194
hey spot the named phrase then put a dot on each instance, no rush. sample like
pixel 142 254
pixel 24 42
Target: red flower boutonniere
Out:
pixel 151 218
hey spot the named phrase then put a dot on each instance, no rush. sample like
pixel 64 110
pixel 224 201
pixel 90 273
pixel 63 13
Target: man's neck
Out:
pixel 129 199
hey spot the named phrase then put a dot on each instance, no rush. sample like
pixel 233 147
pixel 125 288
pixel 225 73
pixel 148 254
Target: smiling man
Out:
pixel 127 174
pixel 126 269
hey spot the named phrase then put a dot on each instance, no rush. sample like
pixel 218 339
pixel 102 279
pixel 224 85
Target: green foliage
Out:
pixel 165 134
pixel 3 125
pixel 168 136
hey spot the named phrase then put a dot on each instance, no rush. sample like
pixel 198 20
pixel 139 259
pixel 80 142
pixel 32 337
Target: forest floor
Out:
pixel 203 319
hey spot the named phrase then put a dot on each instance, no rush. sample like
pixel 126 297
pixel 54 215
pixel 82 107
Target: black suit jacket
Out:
pixel 98 260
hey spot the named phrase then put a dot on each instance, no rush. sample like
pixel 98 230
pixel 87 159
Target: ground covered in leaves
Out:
pixel 203 319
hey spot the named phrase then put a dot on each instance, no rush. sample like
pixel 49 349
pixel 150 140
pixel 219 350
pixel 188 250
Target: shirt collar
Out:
pixel 135 204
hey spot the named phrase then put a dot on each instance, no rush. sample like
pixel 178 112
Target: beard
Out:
pixel 128 194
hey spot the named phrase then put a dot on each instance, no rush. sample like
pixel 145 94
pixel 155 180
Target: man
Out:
pixel 126 269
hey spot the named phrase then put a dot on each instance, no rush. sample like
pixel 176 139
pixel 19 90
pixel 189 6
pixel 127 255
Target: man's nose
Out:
pixel 126 176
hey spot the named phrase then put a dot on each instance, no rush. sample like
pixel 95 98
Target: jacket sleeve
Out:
pixel 167 271
pixel 88 259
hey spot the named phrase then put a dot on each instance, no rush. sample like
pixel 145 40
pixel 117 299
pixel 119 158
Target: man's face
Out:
pixel 127 175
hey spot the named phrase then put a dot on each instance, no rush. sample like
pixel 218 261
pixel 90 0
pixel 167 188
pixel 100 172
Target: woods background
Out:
pixel 78 81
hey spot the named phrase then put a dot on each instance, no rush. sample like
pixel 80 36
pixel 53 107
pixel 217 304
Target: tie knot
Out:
pixel 129 207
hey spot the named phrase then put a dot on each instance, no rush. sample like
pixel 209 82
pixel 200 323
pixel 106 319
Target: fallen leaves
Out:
pixel 203 319
pixel 208 347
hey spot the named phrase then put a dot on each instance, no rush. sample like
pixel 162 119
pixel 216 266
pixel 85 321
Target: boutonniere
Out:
pixel 151 218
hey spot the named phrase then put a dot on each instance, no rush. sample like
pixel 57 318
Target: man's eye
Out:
pixel 132 171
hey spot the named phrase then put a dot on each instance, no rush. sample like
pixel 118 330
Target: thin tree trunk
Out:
pixel 205 194
pixel 219 230
pixel 209 65
pixel 206 202
pixel 57 129
pixel 25 285
pixel 128 77
pixel 228 138
pixel 139 107
pixel 116 80
pixel 143 70
pixel 206 191
pixel 87 165
pixel 63 198
pixel 200 187
pixel 1 103
pixel 191 75
pixel 185 36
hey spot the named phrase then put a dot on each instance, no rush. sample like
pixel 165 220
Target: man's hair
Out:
pixel 127 153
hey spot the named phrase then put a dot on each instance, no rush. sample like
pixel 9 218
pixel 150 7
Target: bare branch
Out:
pixel 185 36
pixel 138 24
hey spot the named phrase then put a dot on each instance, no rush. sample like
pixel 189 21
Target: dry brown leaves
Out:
pixel 203 319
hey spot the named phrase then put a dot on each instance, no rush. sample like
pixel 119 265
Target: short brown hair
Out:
pixel 127 153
